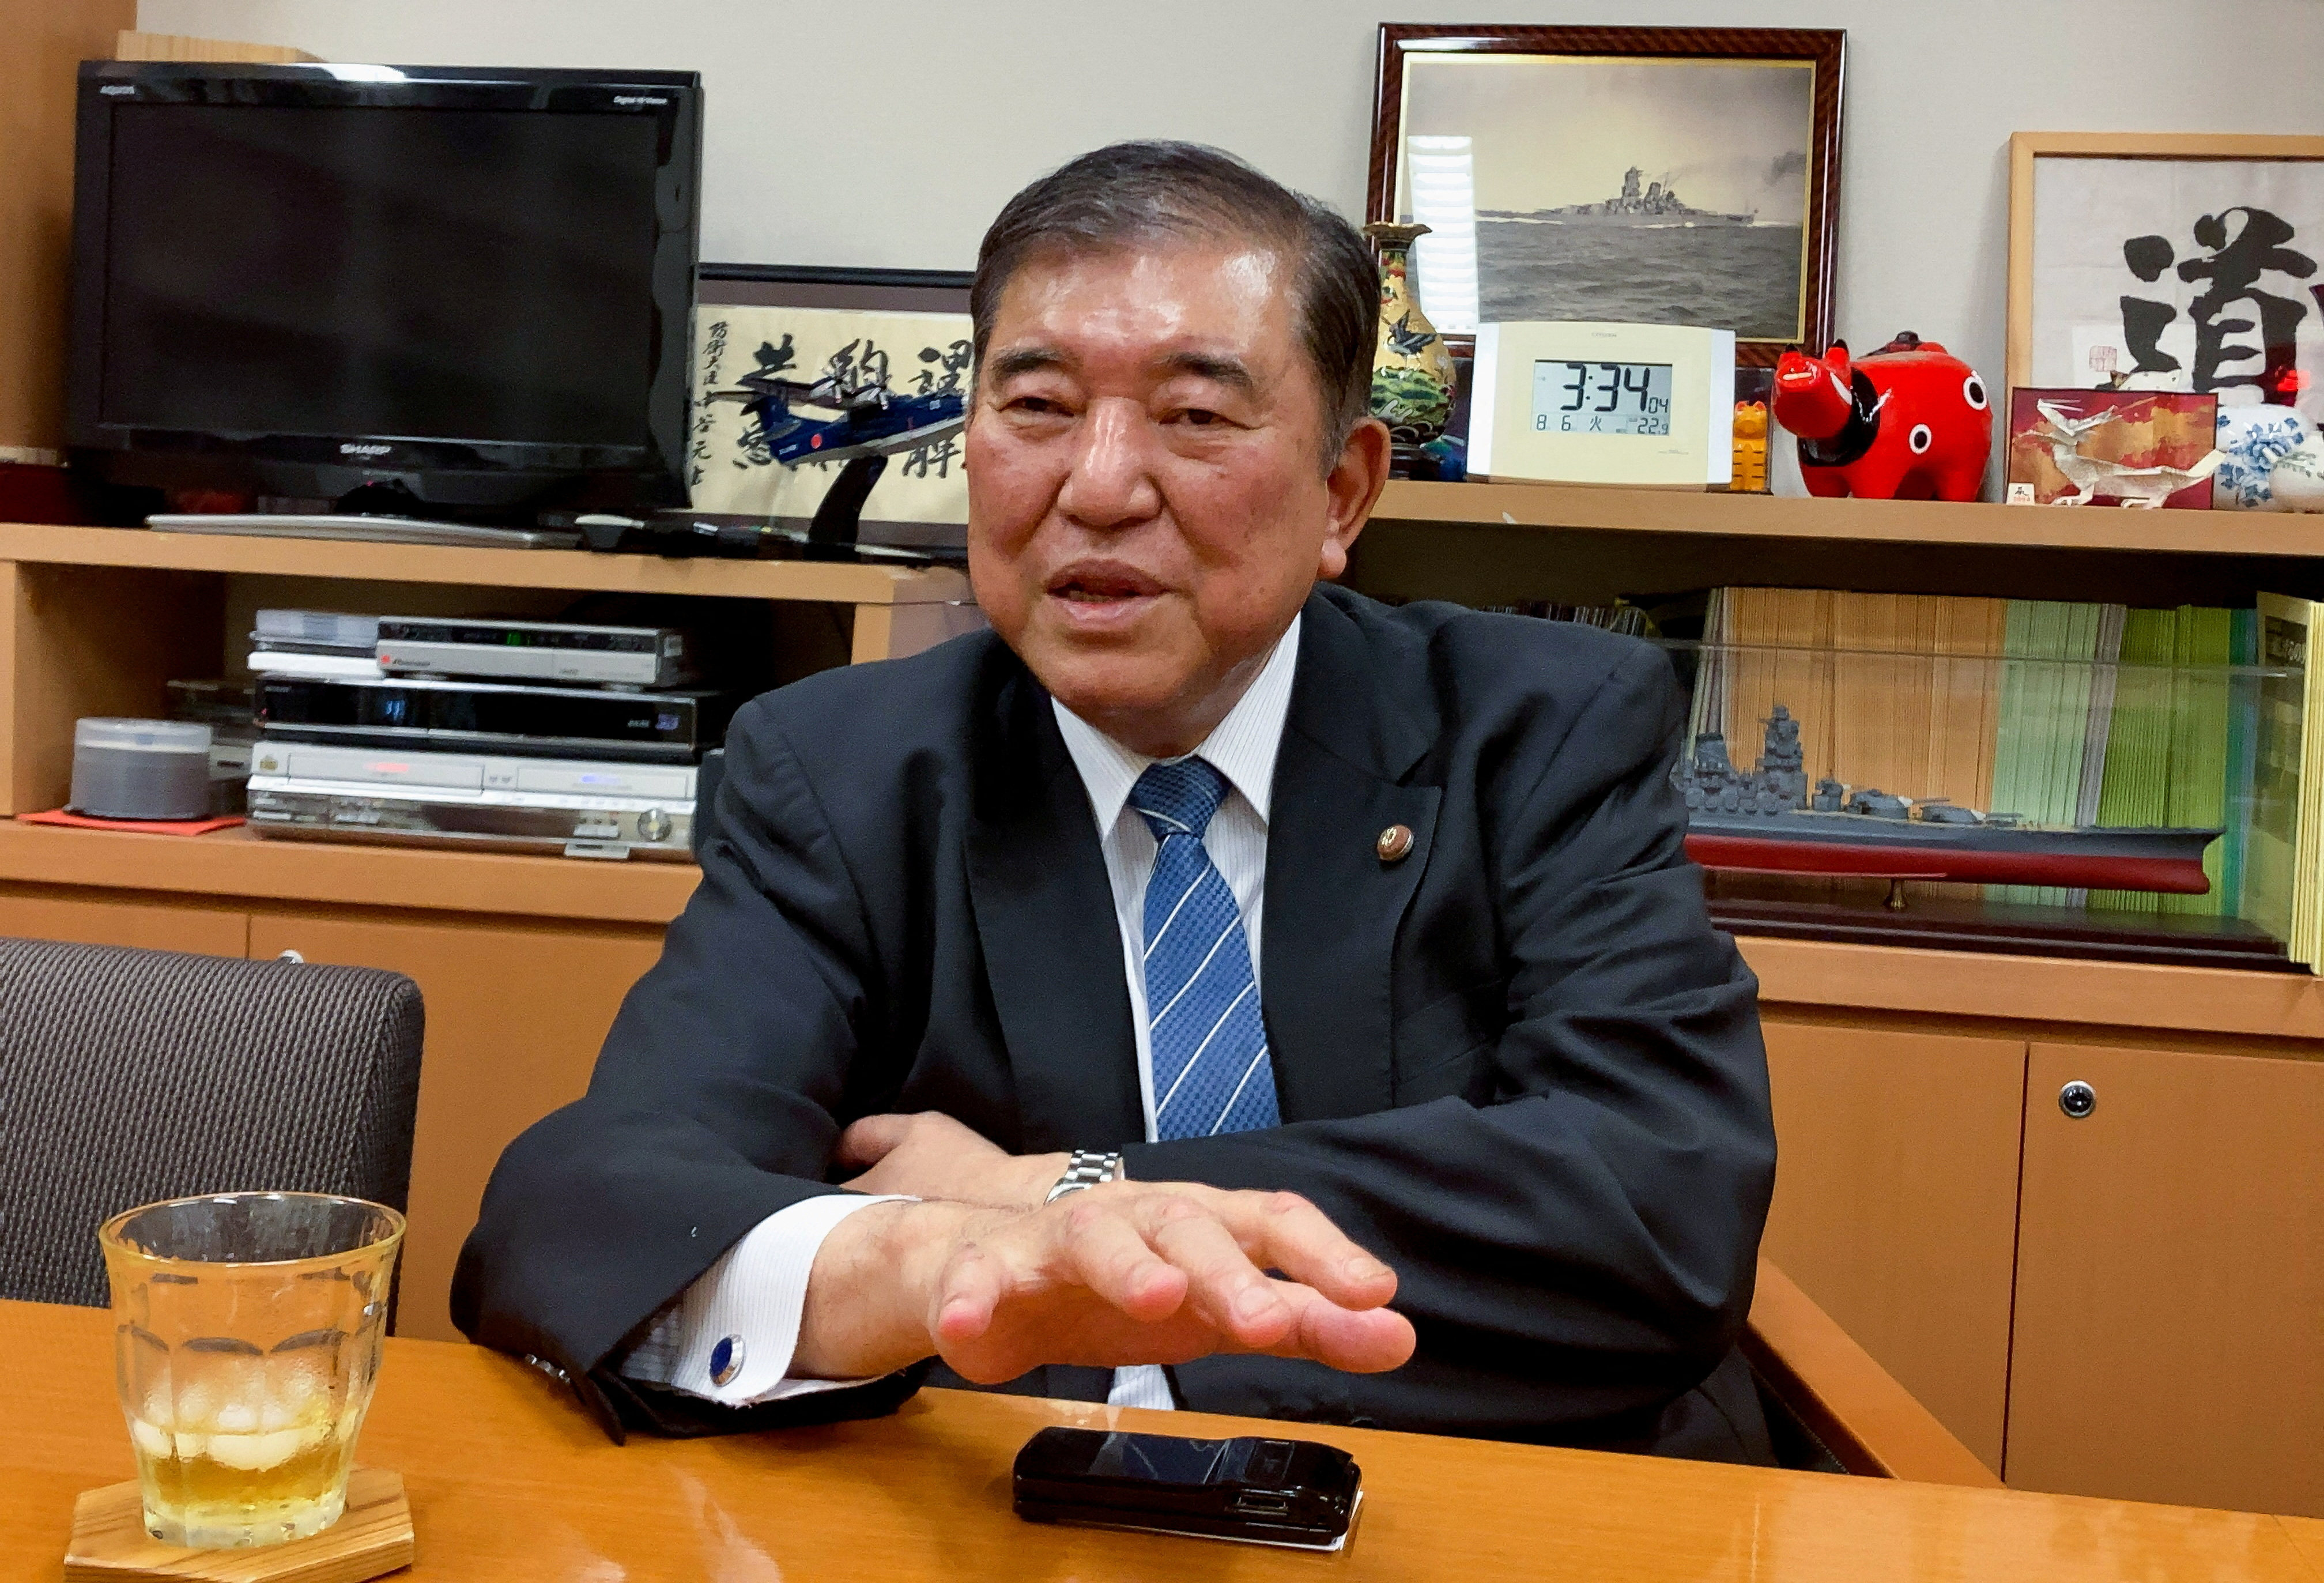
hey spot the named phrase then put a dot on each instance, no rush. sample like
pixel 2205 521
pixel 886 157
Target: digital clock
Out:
pixel 1603 403
pixel 1601 398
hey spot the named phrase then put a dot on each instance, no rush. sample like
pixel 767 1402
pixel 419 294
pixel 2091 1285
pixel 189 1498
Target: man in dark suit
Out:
pixel 1210 988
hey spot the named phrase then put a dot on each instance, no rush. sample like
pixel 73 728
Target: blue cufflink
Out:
pixel 725 1360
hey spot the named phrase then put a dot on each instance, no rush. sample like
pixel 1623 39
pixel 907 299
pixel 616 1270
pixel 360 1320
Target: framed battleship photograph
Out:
pixel 1645 175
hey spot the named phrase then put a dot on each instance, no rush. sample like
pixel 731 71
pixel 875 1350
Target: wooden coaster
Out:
pixel 374 1536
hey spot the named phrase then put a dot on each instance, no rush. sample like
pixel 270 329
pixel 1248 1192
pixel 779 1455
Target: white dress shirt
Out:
pixel 753 1298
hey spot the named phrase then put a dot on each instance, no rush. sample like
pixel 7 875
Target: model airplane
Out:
pixel 874 421
pixel 2134 487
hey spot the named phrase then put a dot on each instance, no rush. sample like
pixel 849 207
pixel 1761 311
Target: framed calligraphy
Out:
pixel 1650 175
pixel 907 327
pixel 2148 262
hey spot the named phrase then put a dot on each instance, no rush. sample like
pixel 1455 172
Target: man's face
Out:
pixel 1147 508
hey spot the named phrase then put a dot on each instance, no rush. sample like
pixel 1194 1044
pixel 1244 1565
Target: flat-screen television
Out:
pixel 473 288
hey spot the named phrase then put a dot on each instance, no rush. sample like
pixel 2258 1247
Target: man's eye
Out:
pixel 1200 417
pixel 1033 403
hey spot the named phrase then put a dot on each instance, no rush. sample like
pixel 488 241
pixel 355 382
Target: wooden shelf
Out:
pixel 2035 989
pixel 1891 521
pixel 835 582
pixel 235 863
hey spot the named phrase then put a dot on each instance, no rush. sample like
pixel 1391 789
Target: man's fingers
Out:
pixel 973 1283
pixel 1283 1231
pixel 1367 1342
pixel 869 1141
pixel 1224 1287
pixel 1104 1251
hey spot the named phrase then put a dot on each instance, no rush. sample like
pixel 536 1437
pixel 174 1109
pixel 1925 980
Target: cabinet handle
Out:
pixel 2078 1099
pixel 289 957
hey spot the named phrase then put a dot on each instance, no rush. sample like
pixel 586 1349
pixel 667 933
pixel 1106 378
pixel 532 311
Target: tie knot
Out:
pixel 1179 798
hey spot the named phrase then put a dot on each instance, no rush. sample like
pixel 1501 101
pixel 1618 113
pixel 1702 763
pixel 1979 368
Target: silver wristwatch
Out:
pixel 1085 1170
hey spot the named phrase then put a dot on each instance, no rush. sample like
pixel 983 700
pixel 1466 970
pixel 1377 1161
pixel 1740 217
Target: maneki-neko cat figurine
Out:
pixel 1910 421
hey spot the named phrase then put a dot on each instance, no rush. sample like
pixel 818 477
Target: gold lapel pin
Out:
pixel 1395 844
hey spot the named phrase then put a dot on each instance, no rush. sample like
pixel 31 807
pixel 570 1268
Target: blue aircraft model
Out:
pixel 874 421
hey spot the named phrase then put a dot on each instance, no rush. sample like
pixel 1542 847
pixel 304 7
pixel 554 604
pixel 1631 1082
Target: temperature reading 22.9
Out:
pixel 1601 398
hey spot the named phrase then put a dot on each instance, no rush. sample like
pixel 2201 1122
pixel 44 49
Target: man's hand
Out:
pixel 1126 1274
pixel 929 1155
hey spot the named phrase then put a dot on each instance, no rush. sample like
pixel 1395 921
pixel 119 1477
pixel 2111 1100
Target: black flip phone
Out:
pixel 1269 1492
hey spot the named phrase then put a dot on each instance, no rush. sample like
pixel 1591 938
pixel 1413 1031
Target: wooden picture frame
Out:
pixel 2033 359
pixel 914 321
pixel 1813 186
pixel 812 285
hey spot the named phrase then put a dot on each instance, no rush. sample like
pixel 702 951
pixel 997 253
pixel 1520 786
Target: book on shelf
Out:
pixel 2055 714
pixel 2282 857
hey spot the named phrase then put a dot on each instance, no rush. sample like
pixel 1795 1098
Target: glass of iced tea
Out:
pixel 246 1339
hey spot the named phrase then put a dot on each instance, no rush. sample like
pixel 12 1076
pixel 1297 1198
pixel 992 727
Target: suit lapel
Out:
pixel 1052 945
pixel 1332 906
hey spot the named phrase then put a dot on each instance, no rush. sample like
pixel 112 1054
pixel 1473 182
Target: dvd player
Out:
pixel 579 807
pixel 535 651
pixel 488 716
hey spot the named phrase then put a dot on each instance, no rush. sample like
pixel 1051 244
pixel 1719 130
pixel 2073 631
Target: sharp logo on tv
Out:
pixel 353 449
pixel 638 99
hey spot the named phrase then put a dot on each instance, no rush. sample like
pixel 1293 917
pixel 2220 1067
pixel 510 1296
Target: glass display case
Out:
pixel 2145 808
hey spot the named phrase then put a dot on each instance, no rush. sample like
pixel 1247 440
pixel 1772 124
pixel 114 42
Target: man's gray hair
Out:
pixel 1130 193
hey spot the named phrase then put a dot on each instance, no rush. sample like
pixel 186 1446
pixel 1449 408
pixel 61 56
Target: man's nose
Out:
pixel 1111 482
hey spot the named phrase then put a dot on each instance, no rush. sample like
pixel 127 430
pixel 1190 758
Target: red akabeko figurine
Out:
pixel 1910 421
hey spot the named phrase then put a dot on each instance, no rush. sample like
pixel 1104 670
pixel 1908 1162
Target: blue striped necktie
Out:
pixel 1208 1041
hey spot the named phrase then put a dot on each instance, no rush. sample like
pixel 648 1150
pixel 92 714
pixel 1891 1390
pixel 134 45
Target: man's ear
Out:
pixel 1352 488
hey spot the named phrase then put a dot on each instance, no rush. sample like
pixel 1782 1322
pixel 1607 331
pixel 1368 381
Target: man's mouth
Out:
pixel 1090 583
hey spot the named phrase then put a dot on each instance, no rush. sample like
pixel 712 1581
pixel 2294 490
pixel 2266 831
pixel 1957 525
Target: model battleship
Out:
pixel 1768 820
pixel 1655 205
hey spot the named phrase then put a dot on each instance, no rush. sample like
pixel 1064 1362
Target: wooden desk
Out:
pixel 509 1483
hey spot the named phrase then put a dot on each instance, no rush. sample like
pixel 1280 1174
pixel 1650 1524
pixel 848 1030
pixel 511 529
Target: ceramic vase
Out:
pixel 1412 368
pixel 2255 444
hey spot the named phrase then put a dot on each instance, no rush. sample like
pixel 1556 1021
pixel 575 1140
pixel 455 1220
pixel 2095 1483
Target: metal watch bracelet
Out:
pixel 1085 1170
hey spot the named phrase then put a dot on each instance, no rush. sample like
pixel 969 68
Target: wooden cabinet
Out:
pixel 98 919
pixel 523 960
pixel 1896 1203
pixel 2170 1331
pixel 516 1012
pixel 515 1015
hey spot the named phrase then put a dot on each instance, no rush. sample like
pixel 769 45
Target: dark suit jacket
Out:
pixel 1518 1065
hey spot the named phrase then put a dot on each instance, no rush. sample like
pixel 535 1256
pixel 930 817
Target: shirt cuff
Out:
pixel 1141 1385
pixel 730 1336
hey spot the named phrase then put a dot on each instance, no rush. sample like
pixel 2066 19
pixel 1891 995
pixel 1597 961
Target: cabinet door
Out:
pixel 515 1016
pixel 1896 1202
pixel 2170 1282
pixel 94 920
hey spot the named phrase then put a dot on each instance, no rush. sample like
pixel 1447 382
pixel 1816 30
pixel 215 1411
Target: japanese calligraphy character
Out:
pixel 852 370
pixel 2243 244
pixel 943 379
pixel 774 359
pixel 714 359
pixel 933 460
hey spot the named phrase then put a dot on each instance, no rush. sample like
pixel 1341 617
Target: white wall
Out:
pixel 887 131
